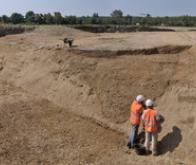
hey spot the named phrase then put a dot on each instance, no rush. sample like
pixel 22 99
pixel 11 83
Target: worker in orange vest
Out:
pixel 136 109
pixel 150 120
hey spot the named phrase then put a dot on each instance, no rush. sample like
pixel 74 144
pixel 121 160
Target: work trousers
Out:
pixel 151 138
pixel 133 135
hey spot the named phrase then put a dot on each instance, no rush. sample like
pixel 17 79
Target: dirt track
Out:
pixel 61 107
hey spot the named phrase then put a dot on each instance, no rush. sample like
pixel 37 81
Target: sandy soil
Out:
pixel 61 107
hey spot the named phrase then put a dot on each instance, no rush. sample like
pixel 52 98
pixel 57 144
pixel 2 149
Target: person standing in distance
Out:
pixel 136 109
pixel 151 121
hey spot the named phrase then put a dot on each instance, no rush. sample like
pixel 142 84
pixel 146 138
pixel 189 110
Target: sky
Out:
pixel 102 7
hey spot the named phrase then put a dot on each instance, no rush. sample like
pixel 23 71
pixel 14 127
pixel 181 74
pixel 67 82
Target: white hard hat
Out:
pixel 140 98
pixel 149 103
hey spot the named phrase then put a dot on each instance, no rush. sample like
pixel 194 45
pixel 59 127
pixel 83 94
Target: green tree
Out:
pixel 17 18
pixel 48 18
pixel 95 15
pixel 95 18
pixel 129 19
pixel 30 17
pixel 80 20
pixel 71 19
pixel 5 19
pixel 58 19
pixel 39 19
pixel 117 13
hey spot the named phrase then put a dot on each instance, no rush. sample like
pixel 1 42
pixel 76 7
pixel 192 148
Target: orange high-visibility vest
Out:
pixel 136 111
pixel 149 120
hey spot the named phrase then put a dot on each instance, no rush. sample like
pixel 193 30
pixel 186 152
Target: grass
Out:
pixel 14 29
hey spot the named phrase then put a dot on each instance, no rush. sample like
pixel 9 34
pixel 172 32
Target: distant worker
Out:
pixel 68 41
pixel 136 109
pixel 151 119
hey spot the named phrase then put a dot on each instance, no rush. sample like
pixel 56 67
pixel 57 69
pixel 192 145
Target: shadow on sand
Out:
pixel 170 141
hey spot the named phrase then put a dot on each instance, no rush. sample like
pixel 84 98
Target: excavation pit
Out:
pixel 168 49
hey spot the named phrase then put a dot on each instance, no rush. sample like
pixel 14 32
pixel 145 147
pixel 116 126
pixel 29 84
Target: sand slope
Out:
pixel 55 97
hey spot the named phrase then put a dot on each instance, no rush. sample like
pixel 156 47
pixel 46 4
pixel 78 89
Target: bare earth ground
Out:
pixel 62 107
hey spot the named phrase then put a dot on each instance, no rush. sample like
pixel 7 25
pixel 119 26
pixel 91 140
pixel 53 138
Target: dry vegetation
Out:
pixel 14 29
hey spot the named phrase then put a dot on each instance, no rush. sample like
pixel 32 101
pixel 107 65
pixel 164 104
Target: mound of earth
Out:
pixel 77 104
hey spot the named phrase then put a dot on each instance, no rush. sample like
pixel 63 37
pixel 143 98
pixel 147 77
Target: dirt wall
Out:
pixel 119 28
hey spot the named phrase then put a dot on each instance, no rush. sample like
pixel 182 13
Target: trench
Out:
pixel 120 28
pixel 168 49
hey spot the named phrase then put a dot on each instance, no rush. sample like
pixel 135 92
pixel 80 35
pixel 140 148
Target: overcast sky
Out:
pixel 103 7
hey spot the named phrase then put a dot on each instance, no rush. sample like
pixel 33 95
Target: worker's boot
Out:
pixel 148 152
pixel 130 146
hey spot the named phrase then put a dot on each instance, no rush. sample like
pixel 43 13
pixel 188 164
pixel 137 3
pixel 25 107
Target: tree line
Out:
pixel 116 18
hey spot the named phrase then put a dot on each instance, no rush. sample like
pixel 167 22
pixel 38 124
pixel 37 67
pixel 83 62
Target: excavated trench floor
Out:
pixel 168 49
